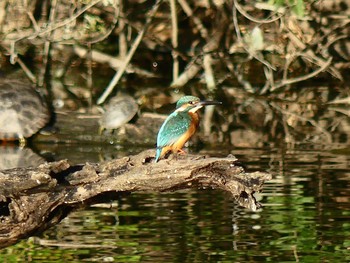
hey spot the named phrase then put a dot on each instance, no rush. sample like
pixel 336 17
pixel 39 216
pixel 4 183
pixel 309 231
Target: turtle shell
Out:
pixel 23 112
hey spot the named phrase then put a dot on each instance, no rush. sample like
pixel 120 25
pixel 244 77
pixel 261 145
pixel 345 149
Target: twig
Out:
pixel 270 82
pixel 270 7
pixel 344 25
pixel 187 9
pixel 210 80
pixel 32 19
pixel 340 110
pixel 240 39
pixel 340 101
pixel 47 45
pixel 190 72
pixel 153 38
pixel 208 72
pixel 3 5
pixel 101 57
pixel 301 45
pixel 211 45
pixel 132 50
pixel 29 74
pixel 311 121
pixel 123 44
pixel 289 59
pixel 174 39
pixel 288 136
pixel 62 23
pixel 89 72
pixel 302 78
pixel 15 59
pixel 209 76
pixel 253 19
pixel 325 48
pixel 110 29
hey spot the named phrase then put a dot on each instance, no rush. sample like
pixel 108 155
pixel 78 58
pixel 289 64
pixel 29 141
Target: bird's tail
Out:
pixel 158 154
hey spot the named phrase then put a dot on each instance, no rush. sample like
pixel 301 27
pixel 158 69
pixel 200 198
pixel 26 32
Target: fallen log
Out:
pixel 33 199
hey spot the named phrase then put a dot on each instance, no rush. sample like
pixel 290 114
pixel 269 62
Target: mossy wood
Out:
pixel 32 200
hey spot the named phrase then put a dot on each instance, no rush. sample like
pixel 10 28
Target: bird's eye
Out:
pixel 191 102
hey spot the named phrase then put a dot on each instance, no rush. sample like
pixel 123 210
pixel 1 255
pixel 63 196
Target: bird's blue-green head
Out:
pixel 192 104
pixel 187 101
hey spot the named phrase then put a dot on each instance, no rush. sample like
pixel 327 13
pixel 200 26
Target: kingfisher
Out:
pixel 180 125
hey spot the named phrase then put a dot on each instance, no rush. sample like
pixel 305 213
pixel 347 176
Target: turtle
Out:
pixel 23 111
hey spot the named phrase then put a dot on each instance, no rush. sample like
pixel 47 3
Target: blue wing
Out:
pixel 173 128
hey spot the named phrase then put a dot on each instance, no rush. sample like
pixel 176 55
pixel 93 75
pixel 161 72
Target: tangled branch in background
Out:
pixel 263 48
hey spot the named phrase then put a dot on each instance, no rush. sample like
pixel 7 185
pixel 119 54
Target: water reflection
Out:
pixel 305 218
pixel 12 156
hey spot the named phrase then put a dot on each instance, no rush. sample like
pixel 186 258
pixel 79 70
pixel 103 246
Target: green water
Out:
pixel 305 218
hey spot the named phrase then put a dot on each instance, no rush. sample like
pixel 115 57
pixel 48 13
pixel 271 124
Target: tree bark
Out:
pixel 32 200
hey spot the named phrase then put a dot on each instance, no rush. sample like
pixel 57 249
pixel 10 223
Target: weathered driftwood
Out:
pixel 32 200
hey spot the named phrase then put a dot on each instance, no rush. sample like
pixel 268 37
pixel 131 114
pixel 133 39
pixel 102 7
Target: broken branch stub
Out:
pixel 33 199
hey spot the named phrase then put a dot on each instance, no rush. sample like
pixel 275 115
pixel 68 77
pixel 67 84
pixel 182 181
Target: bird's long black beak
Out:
pixel 209 102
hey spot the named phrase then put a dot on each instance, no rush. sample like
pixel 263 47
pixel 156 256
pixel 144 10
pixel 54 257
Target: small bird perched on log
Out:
pixel 179 127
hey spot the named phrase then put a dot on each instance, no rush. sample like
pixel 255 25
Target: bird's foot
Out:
pixel 182 152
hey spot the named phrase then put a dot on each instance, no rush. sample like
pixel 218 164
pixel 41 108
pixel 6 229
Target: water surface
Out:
pixel 305 218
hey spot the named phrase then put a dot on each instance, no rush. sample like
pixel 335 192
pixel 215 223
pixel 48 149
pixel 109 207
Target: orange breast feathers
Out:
pixel 179 144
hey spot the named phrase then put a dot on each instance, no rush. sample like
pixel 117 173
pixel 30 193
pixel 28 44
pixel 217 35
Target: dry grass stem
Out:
pixel 131 53
pixel 174 39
